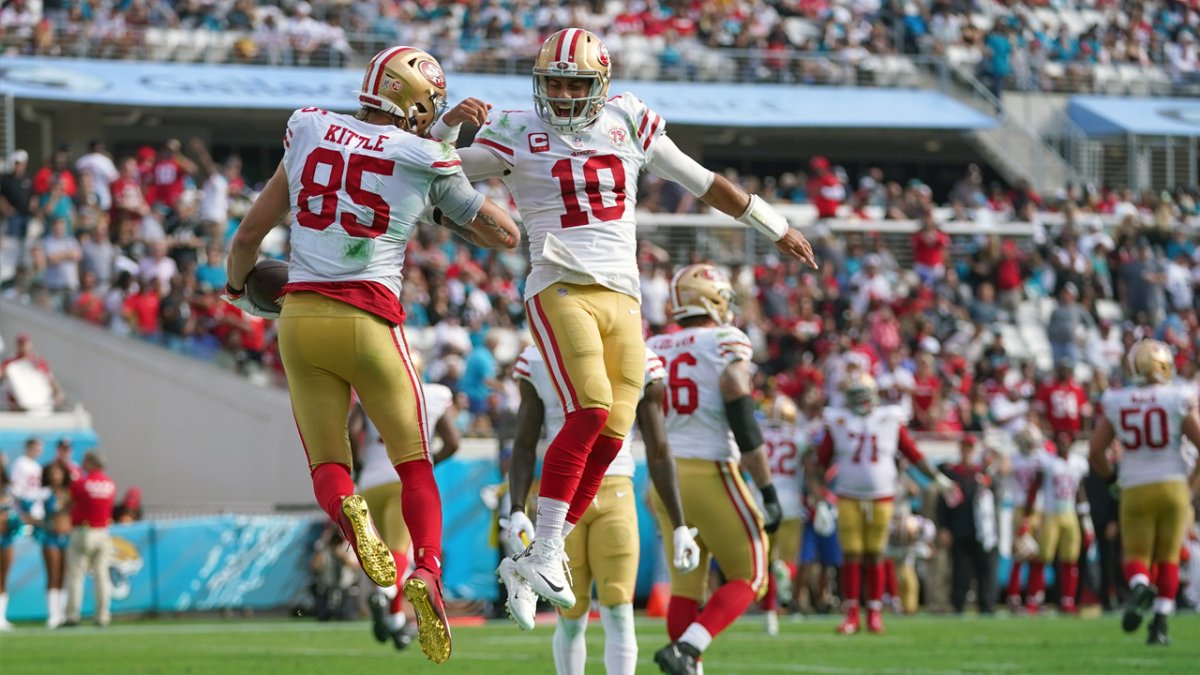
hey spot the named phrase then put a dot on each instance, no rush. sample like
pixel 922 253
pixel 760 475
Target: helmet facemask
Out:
pixel 583 110
pixel 571 54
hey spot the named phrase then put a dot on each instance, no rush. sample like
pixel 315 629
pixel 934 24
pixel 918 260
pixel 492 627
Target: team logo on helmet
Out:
pixel 433 73
pixel 603 55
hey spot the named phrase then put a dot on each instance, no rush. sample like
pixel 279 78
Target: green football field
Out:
pixel 913 645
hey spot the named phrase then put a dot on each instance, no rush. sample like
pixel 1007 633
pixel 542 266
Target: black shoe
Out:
pixel 404 637
pixel 379 616
pixel 69 624
pixel 1138 604
pixel 676 659
pixel 1158 631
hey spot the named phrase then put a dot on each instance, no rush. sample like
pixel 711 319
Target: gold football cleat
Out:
pixel 373 554
pixel 433 629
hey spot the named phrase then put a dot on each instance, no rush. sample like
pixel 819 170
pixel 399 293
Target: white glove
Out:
pixel 518 531
pixel 824 519
pixel 687 552
pixel 242 302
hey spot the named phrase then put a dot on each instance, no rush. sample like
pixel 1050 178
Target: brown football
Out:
pixel 265 282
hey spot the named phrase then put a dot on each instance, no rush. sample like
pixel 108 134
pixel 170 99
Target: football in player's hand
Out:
pixel 265 282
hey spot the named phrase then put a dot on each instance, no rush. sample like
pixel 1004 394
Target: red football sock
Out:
pixel 1068 585
pixel 1037 581
pixel 603 452
pixel 421 504
pixel 1167 580
pixel 681 612
pixel 567 456
pixel 1133 569
pixel 332 484
pixel 891 586
pixel 401 559
pixel 1014 579
pixel 874 573
pixel 771 599
pixel 851 583
pixel 726 605
pixel 1154 570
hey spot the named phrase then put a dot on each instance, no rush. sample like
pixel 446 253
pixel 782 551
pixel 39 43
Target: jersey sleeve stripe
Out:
pixel 447 164
pixel 494 145
pixel 650 136
pixel 642 126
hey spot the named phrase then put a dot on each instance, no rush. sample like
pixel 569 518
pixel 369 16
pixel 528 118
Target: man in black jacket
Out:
pixel 972 548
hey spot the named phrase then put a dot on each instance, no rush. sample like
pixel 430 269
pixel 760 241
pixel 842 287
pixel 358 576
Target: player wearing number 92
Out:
pixel 572 165
pixel 711 428
pixel 865 439
pixel 1149 420
pixel 355 187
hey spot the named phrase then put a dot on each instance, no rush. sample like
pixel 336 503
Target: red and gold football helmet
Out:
pixel 575 53
pixel 701 290
pixel 1151 362
pixel 408 83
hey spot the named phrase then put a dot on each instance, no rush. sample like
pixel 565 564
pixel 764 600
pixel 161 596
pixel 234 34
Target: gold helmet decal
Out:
pixel 701 290
pixel 1151 362
pixel 571 53
pixel 408 83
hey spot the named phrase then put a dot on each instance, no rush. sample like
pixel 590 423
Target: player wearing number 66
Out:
pixel 572 164
pixel 355 187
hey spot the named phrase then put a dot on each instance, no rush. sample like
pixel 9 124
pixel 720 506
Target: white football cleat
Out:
pixel 544 567
pixel 522 602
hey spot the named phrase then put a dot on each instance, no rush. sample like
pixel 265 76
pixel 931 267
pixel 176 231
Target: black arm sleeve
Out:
pixel 740 413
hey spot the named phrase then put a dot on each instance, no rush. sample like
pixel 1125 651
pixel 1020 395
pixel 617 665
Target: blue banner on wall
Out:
pixel 200 86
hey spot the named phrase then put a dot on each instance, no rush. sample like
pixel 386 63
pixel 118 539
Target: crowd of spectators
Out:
pixel 1030 45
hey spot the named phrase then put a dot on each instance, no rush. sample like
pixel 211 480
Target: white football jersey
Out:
pixel 694 359
pixel 1060 481
pixel 785 447
pixel 576 192
pixel 1148 422
pixel 531 367
pixel 865 448
pixel 1024 471
pixel 357 191
pixel 377 468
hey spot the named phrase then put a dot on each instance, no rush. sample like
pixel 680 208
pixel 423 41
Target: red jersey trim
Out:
pixel 447 164
pixel 369 296
pixel 492 144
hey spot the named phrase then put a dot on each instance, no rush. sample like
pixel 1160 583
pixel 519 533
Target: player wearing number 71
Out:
pixel 572 165
pixel 865 439
pixel 355 187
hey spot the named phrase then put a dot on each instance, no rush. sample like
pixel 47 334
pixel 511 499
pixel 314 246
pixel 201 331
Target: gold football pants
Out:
pixel 1154 519
pixel 603 548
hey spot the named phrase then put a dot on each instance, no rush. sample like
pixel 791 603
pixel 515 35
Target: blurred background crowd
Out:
pixel 1076 45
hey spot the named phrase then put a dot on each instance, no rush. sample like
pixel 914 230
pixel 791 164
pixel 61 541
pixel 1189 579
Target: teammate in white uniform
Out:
pixel 604 545
pixel 381 487
pixel 1064 505
pixel 572 164
pixel 865 441
pixel 712 429
pixel 1019 470
pixel 354 187
pixel 1149 420
pixel 786 443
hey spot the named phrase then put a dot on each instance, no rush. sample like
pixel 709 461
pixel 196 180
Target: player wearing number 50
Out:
pixel 1149 420
pixel 865 439
pixel 572 165
pixel 711 427
pixel 355 186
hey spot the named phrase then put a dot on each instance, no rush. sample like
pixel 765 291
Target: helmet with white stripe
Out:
pixel 571 53
pixel 408 83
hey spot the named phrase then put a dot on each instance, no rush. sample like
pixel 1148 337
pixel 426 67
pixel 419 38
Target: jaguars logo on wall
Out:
pixel 126 563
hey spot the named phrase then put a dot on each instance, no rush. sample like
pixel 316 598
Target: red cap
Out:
pixel 819 163
pixel 970 439
pixel 22 338
pixel 133 498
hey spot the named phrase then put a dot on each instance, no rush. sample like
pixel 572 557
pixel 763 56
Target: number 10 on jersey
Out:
pixel 576 215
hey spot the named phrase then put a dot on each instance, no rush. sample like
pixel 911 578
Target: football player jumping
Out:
pixel 604 545
pixel 711 426
pixel 355 187
pixel 1149 420
pixel 572 165
pixel 865 439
